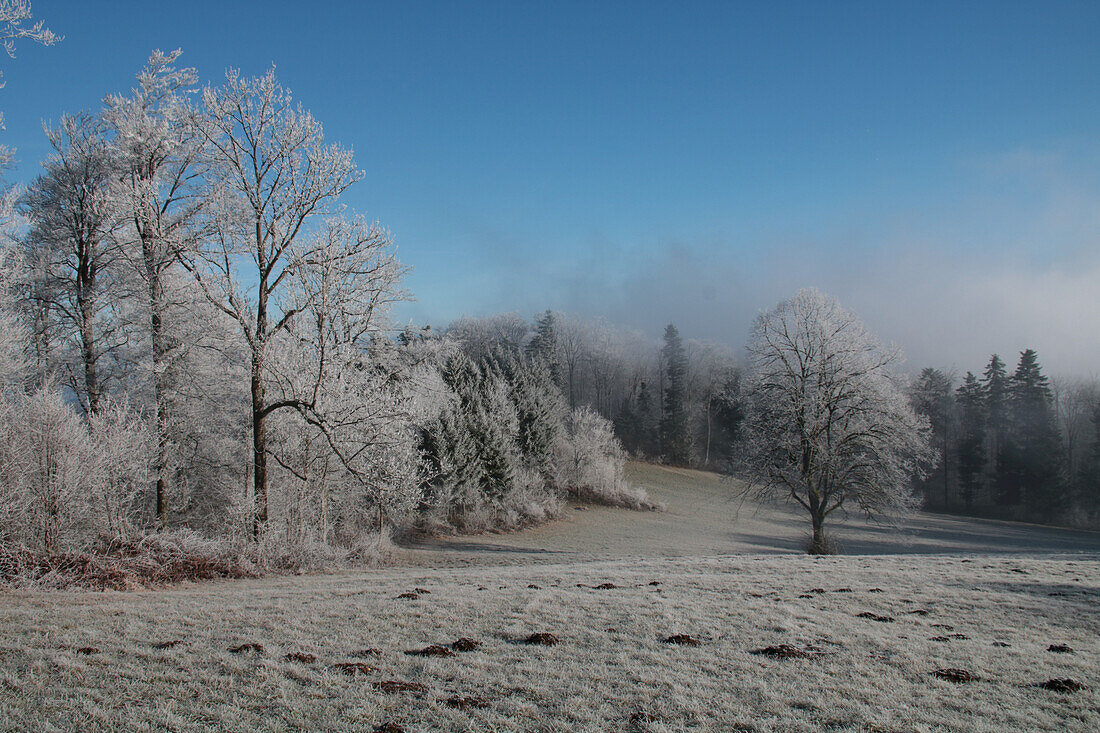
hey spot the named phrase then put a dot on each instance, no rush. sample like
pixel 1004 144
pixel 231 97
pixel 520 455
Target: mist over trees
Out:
pixel 1014 445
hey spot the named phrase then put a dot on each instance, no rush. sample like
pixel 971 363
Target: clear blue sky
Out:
pixel 694 162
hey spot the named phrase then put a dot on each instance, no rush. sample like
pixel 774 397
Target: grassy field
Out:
pixel 161 660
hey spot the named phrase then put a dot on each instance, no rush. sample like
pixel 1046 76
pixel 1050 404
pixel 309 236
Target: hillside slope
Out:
pixel 706 517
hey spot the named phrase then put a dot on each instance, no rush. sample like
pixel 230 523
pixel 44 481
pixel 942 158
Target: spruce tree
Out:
pixel 647 432
pixel 539 407
pixel 995 387
pixel 971 439
pixel 543 347
pixel 675 438
pixel 1035 441
pixel 1088 483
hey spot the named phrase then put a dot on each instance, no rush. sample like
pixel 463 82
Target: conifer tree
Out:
pixel 543 347
pixel 996 388
pixel 1088 483
pixel 931 396
pixel 539 407
pixel 1035 442
pixel 674 435
pixel 970 448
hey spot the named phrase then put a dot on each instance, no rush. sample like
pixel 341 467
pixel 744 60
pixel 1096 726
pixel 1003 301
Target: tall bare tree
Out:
pixel 158 154
pixel 72 245
pixel 271 175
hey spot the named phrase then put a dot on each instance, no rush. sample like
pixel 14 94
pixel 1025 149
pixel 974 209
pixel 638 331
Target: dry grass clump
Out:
pixel 148 561
pixel 618 494
pixel 396 686
pixel 460 702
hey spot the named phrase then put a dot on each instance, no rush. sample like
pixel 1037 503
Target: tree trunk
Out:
pixel 259 448
pixel 819 534
pixel 706 458
pixel 88 348
pixel 160 386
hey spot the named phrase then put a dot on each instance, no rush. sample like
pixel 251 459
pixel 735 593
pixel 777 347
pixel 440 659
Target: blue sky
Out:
pixel 936 166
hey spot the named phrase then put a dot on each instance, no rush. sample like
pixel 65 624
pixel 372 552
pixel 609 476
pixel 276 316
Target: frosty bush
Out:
pixel 66 482
pixel 591 461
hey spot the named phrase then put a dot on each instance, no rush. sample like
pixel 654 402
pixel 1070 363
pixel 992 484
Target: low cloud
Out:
pixel 1007 259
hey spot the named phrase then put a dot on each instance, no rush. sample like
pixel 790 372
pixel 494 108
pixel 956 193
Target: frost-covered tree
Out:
pixel 828 425
pixel 78 284
pixel 271 177
pixel 483 337
pixel 544 347
pixel 931 397
pixel 158 155
pixel 13 27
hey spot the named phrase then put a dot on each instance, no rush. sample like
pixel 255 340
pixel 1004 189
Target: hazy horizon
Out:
pixel 936 170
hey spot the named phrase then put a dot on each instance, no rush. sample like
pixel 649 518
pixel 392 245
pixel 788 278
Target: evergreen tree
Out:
pixel 647 422
pixel 674 434
pixel 450 449
pixel 1035 445
pixel 495 426
pixel 995 386
pixel 543 347
pixel 540 411
pixel 971 438
pixel 1088 483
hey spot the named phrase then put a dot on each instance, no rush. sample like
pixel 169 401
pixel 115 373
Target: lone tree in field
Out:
pixel 827 425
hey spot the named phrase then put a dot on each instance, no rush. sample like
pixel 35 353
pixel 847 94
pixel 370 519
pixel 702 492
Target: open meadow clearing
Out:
pixel 866 634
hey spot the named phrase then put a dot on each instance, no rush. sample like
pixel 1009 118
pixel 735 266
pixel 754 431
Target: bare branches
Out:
pixel 828 424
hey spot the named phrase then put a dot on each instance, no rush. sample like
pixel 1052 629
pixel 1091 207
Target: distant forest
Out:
pixel 1010 444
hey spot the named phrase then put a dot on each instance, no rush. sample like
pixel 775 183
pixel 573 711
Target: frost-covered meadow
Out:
pixel 78 661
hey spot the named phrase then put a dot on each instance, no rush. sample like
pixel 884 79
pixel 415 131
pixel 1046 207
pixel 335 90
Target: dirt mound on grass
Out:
pixel 786 651
pixel 433 650
pixel 541 639
pixel 465 644
pixel 682 640
pixel 1066 684
pixel 956 675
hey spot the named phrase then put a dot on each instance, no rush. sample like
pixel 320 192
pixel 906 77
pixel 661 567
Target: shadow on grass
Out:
pixel 445 545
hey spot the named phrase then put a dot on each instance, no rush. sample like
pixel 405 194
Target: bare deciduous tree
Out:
pixel 271 177
pixel 158 154
pixel 828 424
pixel 72 246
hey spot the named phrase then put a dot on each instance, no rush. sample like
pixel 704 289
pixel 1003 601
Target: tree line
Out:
pixel 1015 445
